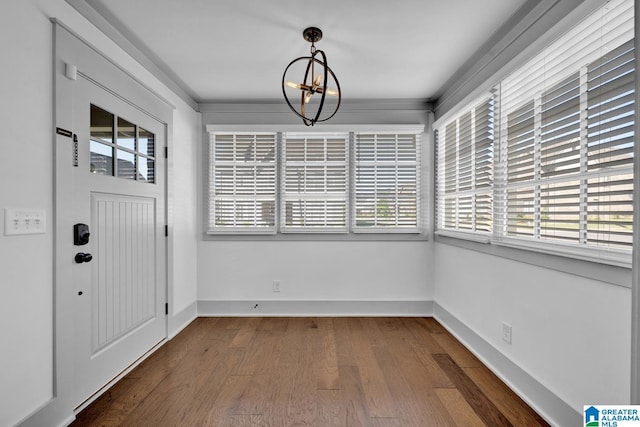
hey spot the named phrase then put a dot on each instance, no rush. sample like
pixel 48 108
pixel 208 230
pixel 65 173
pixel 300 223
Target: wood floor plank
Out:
pixel 292 400
pixel 481 405
pixel 372 328
pixel 246 332
pixel 512 406
pixel 247 421
pixel 302 402
pixel 378 397
pixel 424 335
pixel 458 408
pixel 276 324
pixel 220 412
pixel 344 350
pixel 260 362
pixel 410 382
pixel 330 410
pixel 209 397
pixel 459 353
pixel 421 343
pixel 386 422
pixel 431 325
pixel 261 351
pixel 233 323
pixel 322 372
pixel 325 360
pixel 356 411
pixel 403 397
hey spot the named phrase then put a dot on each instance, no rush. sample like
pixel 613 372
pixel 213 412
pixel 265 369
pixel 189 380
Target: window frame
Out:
pixel 306 235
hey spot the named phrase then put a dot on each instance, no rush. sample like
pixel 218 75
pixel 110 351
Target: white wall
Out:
pixel 184 229
pixel 26 172
pixel 344 271
pixel 570 333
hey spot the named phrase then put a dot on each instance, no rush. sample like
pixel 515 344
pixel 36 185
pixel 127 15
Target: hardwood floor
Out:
pixel 377 372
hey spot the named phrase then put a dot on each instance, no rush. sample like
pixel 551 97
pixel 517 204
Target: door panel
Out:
pixel 123 289
pixel 118 190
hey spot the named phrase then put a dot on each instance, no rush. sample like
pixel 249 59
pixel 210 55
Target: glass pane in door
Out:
pixel 126 134
pixel 101 136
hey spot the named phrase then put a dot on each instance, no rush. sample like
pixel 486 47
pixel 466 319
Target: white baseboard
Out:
pixel 179 321
pixel 315 308
pixel 553 409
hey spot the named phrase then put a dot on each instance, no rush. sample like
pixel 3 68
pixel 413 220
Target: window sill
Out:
pixel 613 274
pixel 478 238
pixel 327 237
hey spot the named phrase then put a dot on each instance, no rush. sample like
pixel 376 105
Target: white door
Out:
pixel 119 275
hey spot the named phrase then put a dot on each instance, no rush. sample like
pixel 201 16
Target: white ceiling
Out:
pixel 221 50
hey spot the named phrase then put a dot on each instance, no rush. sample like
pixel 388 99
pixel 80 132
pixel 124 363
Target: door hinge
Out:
pixel 166 308
pixel 166 231
pixel 166 152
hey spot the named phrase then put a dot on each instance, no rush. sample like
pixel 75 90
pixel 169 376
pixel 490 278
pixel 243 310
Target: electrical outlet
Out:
pixel 276 286
pixel 506 332
pixel 24 221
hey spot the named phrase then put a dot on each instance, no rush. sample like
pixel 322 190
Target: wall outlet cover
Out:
pixel 506 332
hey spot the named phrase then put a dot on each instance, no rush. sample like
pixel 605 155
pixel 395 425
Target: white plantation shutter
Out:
pixel 315 178
pixel 610 140
pixel 561 177
pixel 311 182
pixel 464 170
pixel 567 139
pixel 386 183
pixel 242 183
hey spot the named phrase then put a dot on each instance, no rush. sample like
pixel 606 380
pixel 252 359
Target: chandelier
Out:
pixel 318 82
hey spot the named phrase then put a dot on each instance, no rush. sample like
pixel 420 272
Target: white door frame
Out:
pixel 73 55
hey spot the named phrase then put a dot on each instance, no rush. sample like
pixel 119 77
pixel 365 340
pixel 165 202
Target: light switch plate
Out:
pixel 24 221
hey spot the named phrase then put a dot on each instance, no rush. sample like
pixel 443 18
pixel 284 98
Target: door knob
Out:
pixel 83 257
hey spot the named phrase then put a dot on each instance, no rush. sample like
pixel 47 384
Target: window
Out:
pixel 564 151
pixel 314 182
pixel 465 170
pixel 242 183
pixel 315 175
pixel 387 187
pixel 132 147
